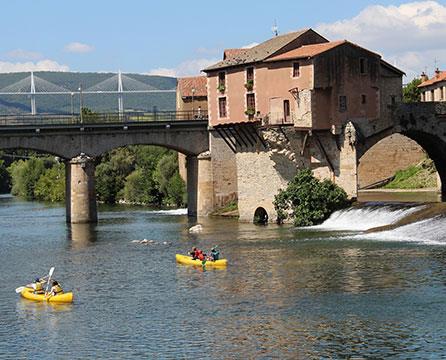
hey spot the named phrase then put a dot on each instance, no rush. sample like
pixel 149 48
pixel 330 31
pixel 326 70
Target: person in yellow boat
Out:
pixel 215 253
pixel 56 288
pixel 38 285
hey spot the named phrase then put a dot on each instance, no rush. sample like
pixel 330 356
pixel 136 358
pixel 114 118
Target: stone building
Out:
pixel 192 95
pixel 433 89
pixel 296 100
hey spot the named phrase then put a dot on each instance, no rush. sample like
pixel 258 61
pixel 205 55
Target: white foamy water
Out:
pixel 364 218
pixel 170 212
pixel 429 232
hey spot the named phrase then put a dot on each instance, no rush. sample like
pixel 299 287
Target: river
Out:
pixel 325 292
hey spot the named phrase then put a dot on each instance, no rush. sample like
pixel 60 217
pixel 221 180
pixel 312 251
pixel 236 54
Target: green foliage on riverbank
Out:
pixel 140 175
pixel 308 201
pixel 144 175
pixel 422 175
pixel 24 175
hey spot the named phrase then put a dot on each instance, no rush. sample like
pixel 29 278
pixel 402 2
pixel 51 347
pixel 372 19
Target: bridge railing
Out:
pixel 101 118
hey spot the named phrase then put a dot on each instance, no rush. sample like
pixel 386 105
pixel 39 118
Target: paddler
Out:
pixel 215 253
pixel 38 285
pixel 56 288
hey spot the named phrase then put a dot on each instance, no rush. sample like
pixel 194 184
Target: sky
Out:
pixel 179 38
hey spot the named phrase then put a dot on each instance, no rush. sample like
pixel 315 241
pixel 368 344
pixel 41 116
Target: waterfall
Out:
pixel 429 232
pixel 364 218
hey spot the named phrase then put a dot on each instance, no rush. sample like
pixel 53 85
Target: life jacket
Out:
pixel 200 256
pixel 38 287
pixel 215 254
pixel 56 289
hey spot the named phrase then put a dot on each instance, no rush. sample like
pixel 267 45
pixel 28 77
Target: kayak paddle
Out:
pixel 49 279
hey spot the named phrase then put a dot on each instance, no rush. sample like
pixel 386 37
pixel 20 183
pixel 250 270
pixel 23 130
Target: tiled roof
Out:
pixel 441 76
pixel 259 52
pixel 199 83
pixel 230 53
pixel 307 51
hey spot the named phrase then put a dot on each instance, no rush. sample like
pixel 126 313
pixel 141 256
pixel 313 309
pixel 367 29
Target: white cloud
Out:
pixel 24 55
pixel 77 47
pixel 411 35
pixel 43 65
pixel 186 68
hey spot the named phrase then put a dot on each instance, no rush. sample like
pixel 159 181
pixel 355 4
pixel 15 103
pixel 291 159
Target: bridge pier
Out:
pixel 199 185
pixel 192 185
pixel 80 190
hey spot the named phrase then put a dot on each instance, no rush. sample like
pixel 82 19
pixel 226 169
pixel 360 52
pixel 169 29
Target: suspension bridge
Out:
pixel 118 84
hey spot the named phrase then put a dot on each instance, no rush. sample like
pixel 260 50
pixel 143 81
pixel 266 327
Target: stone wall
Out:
pixel 259 180
pixel 262 173
pixel 224 171
pixel 393 153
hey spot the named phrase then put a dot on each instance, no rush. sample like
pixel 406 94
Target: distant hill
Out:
pixel 19 104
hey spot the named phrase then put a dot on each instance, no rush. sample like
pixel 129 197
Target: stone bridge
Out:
pixel 78 143
pixel 423 122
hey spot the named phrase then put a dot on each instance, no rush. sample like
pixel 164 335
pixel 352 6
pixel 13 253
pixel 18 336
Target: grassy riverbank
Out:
pixel 420 176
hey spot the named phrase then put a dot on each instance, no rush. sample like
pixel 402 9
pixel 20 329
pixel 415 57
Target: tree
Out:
pixel 140 188
pixel 5 178
pixel 24 176
pixel 111 173
pixel 51 184
pixel 169 180
pixel 411 92
pixel 309 201
pixel 89 116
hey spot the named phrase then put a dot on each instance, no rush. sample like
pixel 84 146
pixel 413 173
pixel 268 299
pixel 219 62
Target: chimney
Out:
pixel 424 77
pixel 437 72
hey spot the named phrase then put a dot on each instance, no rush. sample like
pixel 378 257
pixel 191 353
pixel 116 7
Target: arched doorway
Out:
pixel 260 216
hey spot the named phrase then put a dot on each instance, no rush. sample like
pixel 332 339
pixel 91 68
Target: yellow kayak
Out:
pixel 187 260
pixel 28 293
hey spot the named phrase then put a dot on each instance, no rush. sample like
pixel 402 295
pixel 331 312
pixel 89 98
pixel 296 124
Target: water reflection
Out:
pixel 81 235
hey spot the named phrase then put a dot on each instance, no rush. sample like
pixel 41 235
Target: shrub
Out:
pixel 308 201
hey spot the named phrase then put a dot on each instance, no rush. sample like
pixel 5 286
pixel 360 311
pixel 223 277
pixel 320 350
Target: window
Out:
pixel 250 74
pixel 363 99
pixel 251 102
pixel 222 107
pixel 363 66
pixel 250 105
pixel 286 110
pixel 432 95
pixel 221 82
pixel 342 103
pixel 249 79
pixel 296 69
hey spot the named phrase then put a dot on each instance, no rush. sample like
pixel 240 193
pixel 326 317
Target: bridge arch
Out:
pixel 433 146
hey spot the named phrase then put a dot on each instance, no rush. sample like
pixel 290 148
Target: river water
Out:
pixel 325 292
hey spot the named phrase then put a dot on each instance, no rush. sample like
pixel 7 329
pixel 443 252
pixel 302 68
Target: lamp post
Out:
pixel 80 102
pixel 193 109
